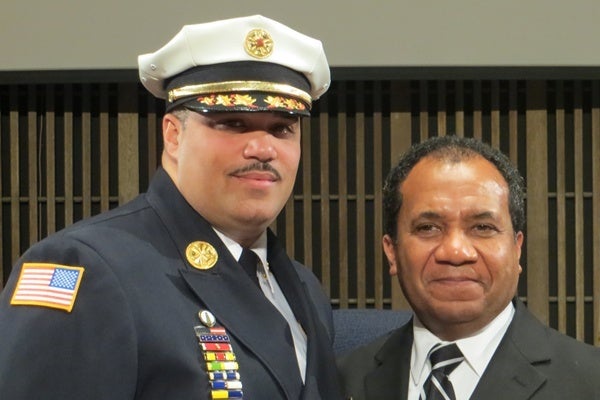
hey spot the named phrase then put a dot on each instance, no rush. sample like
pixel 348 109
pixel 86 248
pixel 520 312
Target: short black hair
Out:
pixel 453 149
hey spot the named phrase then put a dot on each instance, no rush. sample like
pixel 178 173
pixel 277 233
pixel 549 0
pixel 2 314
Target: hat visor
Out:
pixel 244 102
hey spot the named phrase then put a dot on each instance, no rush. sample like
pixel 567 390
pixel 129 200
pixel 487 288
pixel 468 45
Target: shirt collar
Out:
pixel 477 349
pixel 259 247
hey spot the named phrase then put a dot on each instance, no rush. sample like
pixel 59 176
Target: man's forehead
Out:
pixel 441 173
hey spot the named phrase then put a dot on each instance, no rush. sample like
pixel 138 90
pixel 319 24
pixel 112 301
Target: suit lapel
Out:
pixel 389 380
pixel 511 372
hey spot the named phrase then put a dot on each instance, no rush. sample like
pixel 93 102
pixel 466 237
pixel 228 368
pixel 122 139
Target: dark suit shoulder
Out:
pixel 355 365
pixel 534 361
pixel 381 365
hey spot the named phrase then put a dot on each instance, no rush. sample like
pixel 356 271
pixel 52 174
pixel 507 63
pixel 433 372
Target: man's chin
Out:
pixel 457 311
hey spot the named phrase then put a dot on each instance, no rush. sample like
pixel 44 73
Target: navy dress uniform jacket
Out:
pixel 130 334
pixel 531 362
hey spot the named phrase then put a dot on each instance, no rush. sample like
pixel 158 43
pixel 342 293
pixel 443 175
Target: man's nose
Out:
pixel 456 249
pixel 260 146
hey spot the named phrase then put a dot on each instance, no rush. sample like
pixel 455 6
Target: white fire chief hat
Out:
pixel 241 64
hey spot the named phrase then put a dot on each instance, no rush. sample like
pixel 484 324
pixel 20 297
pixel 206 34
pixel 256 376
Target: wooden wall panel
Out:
pixel 536 177
pixel 104 148
pixel 325 199
pixel 579 231
pixel 595 242
pixel 72 150
pixel 400 141
pixel 128 150
pixel 377 179
pixel 342 195
pixel 15 171
pixel 561 240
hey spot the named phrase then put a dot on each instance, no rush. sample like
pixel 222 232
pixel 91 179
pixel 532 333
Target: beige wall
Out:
pixel 69 34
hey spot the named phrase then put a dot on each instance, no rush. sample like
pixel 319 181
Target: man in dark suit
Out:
pixel 453 219
pixel 185 293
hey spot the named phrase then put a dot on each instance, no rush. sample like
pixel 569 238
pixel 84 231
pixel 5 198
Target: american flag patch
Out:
pixel 48 285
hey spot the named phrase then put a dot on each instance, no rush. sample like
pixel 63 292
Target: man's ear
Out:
pixel 390 252
pixel 172 129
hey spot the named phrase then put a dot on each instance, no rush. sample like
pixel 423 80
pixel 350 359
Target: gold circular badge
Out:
pixel 201 255
pixel 259 43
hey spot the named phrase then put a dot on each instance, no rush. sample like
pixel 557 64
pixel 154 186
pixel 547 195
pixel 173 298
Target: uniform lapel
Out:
pixel 511 372
pixel 249 317
pixel 225 290
pixel 320 360
pixel 389 380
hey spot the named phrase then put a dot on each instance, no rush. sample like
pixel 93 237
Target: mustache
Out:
pixel 258 166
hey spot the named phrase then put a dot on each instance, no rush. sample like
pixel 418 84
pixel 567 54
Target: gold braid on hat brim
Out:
pixel 239 86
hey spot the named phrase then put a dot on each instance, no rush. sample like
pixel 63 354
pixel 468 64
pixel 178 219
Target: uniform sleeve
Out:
pixel 50 353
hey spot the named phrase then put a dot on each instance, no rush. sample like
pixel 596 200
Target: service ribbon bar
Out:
pixel 221 367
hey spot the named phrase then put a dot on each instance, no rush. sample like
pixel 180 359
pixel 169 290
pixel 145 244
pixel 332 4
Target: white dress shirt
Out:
pixel 477 350
pixel 273 292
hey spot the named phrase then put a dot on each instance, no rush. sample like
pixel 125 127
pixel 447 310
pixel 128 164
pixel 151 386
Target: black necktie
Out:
pixel 444 360
pixel 248 260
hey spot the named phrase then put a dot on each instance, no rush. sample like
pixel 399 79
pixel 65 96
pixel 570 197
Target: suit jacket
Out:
pixel 531 362
pixel 131 335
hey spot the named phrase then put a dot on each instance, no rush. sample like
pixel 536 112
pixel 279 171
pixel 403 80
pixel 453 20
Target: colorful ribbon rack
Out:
pixel 221 364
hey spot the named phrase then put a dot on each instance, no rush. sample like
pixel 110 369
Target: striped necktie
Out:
pixel 444 359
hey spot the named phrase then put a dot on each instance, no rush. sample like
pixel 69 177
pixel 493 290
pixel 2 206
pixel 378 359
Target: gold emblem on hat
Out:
pixel 201 255
pixel 259 43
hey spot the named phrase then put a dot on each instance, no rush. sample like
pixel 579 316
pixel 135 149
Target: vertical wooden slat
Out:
pixel 400 141
pixel 361 259
pixel 459 114
pixel 423 110
pixel 477 113
pixel 104 149
pixel 50 161
pixel 307 192
pixel 537 200
pixel 495 114
pixel 579 218
pixel 377 195
pixel 86 155
pixel 129 179
pixel 325 198
pixel 342 197
pixel 596 209
pixel 442 126
pixel 561 226
pixel 513 122
pixel 32 169
pixel 68 154
pixel 15 200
